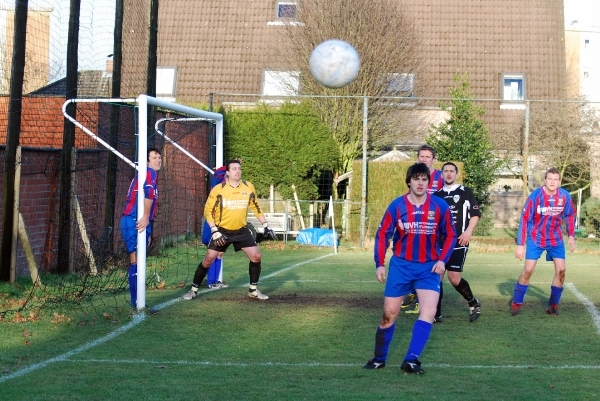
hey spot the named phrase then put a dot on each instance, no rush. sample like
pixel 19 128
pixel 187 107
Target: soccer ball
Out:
pixel 334 63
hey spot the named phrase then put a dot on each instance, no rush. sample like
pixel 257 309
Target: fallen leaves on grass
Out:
pixel 58 318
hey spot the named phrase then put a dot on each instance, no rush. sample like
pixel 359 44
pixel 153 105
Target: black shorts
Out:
pixel 241 238
pixel 457 259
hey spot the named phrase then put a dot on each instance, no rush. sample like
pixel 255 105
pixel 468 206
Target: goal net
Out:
pixel 111 141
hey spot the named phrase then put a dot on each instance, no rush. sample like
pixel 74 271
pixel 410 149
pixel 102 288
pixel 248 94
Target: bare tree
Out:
pixel 384 35
pixel 36 72
pixel 557 139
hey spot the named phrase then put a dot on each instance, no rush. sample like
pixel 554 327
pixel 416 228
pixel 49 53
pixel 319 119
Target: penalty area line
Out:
pixel 297 264
pixel 136 319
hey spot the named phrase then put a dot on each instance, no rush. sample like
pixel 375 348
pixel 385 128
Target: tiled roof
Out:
pixel 218 45
pixel 90 84
pixel 42 123
pixel 223 46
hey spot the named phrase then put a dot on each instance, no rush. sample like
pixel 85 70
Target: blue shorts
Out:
pixel 130 233
pixel 405 276
pixel 533 252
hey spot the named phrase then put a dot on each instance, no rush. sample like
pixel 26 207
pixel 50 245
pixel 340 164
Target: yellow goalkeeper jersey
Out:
pixel 227 207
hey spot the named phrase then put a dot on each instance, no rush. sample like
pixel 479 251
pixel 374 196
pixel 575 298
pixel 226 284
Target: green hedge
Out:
pixel 284 146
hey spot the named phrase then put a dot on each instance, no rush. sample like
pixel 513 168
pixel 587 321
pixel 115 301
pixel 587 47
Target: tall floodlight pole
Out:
pixel 64 214
pixel 152 64
pixel 13 134
pixel 363 195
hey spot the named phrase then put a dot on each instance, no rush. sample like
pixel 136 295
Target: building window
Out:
pixel 513 87
pixel 400 84
pixel 286 13
pixel 286 9
pixel 166 82
pixel 280 83
pixel 513 91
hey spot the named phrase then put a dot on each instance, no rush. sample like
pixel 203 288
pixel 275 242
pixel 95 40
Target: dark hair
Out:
pixel 417 170
pixel 427 147
pixel 450 164
pixel 233 161
pixel 552 170
pixel 152 150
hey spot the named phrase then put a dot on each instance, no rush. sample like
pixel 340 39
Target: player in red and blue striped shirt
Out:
pixel 540 228
pixel 131 225
pixel 425 154
pixel 417 223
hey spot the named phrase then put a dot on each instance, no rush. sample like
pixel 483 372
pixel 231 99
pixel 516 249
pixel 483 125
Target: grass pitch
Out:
pixel 310 340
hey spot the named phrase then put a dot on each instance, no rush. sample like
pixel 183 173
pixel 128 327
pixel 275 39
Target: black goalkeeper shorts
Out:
pixel 241 238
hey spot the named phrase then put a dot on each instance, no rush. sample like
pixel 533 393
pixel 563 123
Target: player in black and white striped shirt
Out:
pixel 465 214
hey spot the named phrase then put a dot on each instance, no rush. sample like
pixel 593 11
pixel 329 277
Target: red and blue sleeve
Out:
pixel 383 236
pixel 569 213
pixel 525 217
pixel 150 185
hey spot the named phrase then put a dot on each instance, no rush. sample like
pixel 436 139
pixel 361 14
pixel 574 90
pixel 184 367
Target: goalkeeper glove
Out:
pixel 269 233
pixel 217 238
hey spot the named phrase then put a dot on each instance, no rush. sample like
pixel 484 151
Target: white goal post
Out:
pixel 143 101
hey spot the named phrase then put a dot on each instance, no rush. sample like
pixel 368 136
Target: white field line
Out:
pixel 589 305
pixel 137 319
pixel 318 364
pixel 298 264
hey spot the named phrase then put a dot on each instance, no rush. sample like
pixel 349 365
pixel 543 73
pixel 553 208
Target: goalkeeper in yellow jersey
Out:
pixel 226 213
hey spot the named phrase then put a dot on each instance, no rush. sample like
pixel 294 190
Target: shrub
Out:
pixel 590 216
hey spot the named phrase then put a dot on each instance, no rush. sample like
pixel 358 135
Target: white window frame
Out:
pixel 280 83
pixel 513 90
pixel 284 3
pixel 282 20
pixel 166 82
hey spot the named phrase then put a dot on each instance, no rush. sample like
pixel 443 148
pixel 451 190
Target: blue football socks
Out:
pixel 555 294
pixel 519 293
pixel 133 283
pixel 383 338
pixel 420 335
pixel 214 271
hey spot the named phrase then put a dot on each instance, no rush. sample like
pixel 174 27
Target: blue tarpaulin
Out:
pixel 317 236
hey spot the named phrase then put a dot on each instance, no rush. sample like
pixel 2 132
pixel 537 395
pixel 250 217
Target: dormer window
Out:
pixel 286 9
pixel 513 91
